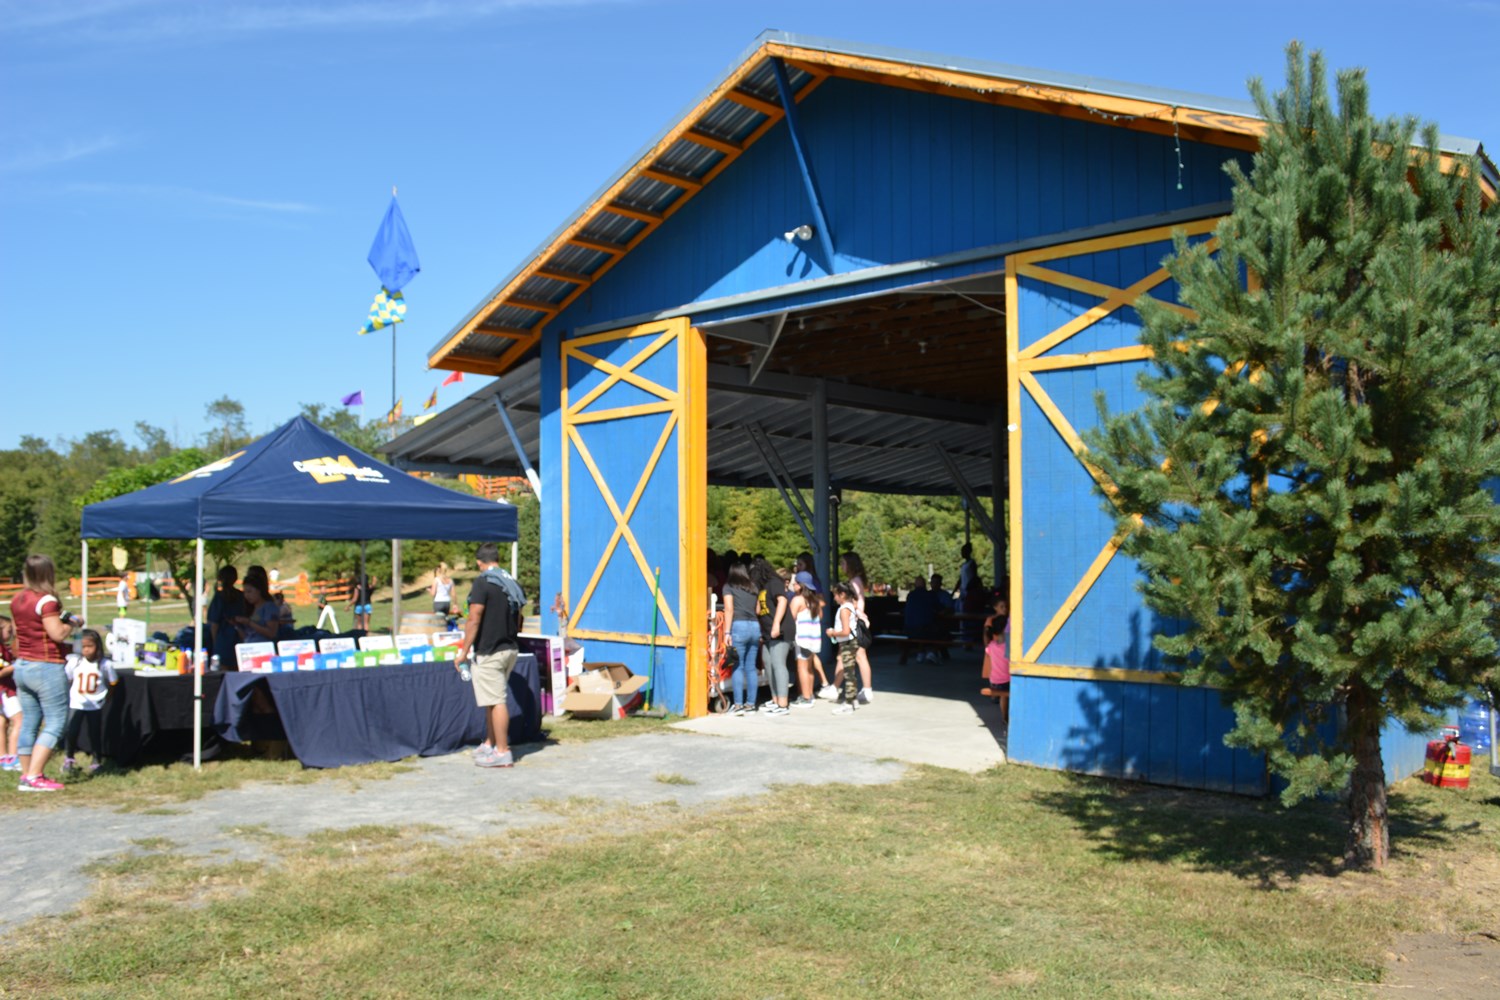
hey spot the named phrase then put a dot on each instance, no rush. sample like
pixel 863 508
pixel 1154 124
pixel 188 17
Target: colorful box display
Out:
pixel 255 657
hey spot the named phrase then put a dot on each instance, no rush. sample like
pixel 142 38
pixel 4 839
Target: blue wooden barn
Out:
pixel 846 266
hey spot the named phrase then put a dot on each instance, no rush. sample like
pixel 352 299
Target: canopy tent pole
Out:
pixel 395 586
pixel 85 589
pixel 360 583
pixel 150 586
pixel 515 550
pixel 198 658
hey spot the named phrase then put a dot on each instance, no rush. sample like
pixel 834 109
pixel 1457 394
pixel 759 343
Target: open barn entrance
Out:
pixel 900 394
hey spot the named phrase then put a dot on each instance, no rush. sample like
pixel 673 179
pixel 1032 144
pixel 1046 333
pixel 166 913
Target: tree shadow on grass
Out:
pixel 1256 840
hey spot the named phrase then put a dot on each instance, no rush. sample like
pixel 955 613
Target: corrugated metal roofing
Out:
pixel 869 450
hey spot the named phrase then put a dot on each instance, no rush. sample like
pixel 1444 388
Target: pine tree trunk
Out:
pixel 1369 832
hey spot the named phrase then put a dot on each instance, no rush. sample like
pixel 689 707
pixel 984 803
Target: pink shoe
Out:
pixel 40 783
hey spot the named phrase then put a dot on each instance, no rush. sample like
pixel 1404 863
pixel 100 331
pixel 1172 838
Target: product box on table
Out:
pixel 340 649
pixel 603 691
pixel 414 648
pixel 302 650
pixel 255 657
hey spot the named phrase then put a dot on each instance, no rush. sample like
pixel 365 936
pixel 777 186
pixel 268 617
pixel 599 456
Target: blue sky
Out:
pixel 188 189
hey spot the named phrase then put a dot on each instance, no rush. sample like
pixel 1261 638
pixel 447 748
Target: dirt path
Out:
pixel 41 869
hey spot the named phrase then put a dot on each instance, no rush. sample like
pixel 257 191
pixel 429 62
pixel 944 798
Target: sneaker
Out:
pixel 775 709
pixel 736 709
pixel 40 783
pixel 802 703
pixel 866 696
pixel 506 759
pixel 69 765
pixel 484 755
pixel 10 763
pixel 94 768
pixel 843 709
pixel 828 692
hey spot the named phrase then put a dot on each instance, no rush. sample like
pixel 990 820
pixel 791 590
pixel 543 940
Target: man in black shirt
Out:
pixel 490 639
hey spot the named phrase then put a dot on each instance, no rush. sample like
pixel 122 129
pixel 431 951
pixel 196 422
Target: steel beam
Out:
pixel 758 363
pixel 986 523
pixel 515 442
pixel 787 490
pixel 804 163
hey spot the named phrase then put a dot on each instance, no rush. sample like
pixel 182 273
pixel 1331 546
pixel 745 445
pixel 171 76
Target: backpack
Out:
pixel 514 595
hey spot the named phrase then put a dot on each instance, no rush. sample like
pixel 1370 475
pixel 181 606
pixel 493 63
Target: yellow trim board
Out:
pixel 1026 669
pixel 1092 574
pixel 622 522
pixel 1116 241
pixel 1013 452
pixel 639 640
pixel 693 441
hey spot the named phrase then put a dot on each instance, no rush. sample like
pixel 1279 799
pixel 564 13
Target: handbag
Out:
pixel 862 633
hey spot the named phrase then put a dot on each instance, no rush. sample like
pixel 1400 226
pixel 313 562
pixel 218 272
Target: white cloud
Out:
pixel 42 157
pixel 191 196
pixel 145 21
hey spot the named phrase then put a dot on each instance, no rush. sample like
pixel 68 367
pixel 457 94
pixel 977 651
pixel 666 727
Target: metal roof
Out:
pixel 742 105
pixel 873 444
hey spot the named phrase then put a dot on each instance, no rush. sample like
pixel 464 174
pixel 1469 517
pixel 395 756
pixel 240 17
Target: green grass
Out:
pixel 1016 882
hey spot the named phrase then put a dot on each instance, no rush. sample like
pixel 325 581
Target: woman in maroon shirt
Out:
pixel 42 627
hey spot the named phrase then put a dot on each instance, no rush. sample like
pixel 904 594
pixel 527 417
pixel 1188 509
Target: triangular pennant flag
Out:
pixel 388 309
pixel 395 414
pixel 455 377
pixel 419 421
pixel 392 255
pixel 355 398
pixel 431 401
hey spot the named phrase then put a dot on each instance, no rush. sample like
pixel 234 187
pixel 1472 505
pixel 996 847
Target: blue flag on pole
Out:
pixel 355 398
pixel 392 255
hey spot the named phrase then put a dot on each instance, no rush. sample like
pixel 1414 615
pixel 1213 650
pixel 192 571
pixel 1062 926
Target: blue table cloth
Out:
pixel 337 717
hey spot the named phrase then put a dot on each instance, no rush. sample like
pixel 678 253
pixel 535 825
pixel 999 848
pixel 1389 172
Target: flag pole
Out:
pixel 393 357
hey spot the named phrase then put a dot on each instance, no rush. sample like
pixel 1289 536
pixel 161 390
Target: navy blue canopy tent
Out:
pixel 299 481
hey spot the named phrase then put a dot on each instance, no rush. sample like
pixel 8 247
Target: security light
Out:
pixel 803 232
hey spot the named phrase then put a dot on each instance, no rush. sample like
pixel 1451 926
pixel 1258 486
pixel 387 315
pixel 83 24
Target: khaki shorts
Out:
pixel 491 675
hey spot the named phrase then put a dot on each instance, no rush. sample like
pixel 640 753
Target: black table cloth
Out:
pixel 142 711
pixel 356 716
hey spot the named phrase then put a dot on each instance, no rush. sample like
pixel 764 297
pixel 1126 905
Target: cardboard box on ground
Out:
pixel 604 691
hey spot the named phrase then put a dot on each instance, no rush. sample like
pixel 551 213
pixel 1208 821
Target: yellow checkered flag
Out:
pixel 388 309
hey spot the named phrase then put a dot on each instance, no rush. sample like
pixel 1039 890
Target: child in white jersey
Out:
pixel 90 676
pixel 807 605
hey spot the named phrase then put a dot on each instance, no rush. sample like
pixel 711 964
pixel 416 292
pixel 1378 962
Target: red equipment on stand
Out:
pixel 1447 764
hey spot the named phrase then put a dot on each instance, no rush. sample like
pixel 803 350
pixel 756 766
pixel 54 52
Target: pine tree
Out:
pixel 1305 487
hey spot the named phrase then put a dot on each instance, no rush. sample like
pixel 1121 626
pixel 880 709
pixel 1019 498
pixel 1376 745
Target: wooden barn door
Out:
pixel 634 424
pixel 1081 633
